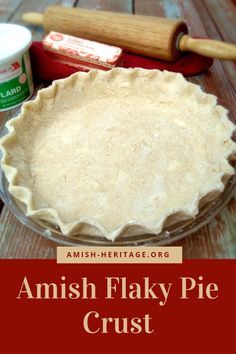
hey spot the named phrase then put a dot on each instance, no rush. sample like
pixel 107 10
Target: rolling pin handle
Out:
pixel 33 18
pixel 208 47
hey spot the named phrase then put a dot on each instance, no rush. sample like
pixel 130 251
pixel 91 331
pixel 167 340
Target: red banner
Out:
pixel 48 307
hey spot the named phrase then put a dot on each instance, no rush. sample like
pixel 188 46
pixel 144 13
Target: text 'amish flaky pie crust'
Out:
pixel 118 153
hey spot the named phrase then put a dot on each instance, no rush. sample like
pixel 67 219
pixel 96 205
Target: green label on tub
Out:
pixel 15 83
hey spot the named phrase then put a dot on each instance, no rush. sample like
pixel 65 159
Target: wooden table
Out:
pixel 216 19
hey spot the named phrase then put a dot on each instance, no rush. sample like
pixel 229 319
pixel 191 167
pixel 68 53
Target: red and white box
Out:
pixel 81 53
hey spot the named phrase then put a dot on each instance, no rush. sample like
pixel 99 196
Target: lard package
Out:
pixel 81 53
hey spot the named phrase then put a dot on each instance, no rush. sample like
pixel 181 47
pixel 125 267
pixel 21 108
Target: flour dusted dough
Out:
pixel 111 153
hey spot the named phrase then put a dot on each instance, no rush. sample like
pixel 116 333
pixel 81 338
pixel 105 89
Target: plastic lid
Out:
pixel 14 39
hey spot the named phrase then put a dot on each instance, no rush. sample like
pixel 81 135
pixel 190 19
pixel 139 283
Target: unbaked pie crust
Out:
pixel 118 153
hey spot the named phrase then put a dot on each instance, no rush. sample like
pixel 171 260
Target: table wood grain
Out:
pixel 215 19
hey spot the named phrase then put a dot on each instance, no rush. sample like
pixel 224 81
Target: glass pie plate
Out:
pixel 167 236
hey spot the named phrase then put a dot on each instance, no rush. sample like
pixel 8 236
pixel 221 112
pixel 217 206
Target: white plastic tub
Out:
pixel 16 84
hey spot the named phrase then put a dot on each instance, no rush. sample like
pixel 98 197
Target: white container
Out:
pixel 16 84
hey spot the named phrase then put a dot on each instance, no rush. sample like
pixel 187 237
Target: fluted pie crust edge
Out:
pixel 138 114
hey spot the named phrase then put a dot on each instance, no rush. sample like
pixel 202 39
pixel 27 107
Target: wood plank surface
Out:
pixel 8 8
pixel 219 20
pixel 18 241
pixel 217 239
pixel 223 12
pixel 33 6
pixel 107 5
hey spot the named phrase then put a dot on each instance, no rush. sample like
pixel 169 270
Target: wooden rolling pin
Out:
pixel 151 36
